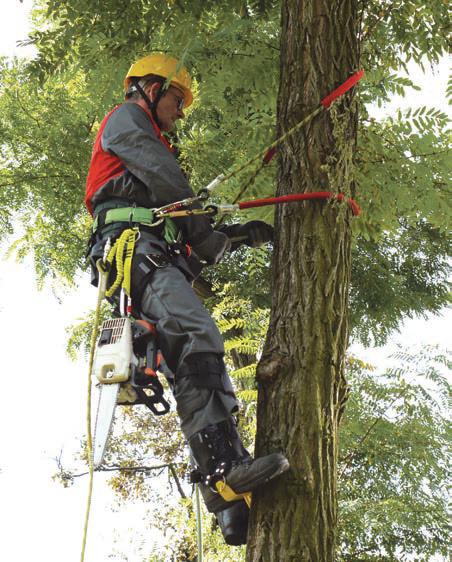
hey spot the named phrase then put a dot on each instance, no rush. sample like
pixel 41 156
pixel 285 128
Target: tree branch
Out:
pixel 176 479
pixel 360 30
pixel 348 459
pixel 33 178
pixel 409 157
pixel 114 468
pixel 380 17
pixel 64 475
pixel 24 110
pixel 402 154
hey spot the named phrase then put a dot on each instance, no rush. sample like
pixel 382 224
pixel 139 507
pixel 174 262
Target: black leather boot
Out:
pixel 233 522
pixel 220 456
pixel 232 517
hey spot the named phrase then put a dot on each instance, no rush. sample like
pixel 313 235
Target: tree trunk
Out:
pixel 300 376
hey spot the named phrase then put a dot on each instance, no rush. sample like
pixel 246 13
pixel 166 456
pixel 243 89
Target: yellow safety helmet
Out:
pixel 165 66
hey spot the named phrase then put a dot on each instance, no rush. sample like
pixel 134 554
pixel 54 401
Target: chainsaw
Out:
pixel 125 364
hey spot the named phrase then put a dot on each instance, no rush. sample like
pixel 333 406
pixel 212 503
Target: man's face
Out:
pixel 170 108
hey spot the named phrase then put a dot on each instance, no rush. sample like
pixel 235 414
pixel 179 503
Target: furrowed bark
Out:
pixel 300 376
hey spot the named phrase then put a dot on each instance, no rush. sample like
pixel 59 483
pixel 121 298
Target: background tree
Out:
pixel 394 461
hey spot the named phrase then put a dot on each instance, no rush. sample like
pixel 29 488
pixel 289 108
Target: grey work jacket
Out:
pixel 151 176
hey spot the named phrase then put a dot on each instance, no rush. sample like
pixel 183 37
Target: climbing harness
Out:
pixel 137 216
pixel 121 254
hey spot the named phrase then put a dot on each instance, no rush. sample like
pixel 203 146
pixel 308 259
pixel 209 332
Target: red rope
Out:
pixel 300 197
pixel 340 90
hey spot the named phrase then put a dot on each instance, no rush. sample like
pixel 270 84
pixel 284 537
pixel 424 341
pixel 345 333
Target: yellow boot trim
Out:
pixel 228 494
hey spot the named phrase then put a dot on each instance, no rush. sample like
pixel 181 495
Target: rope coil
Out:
pixel 122 254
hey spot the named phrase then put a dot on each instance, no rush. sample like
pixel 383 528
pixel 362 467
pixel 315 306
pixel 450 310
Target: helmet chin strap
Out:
pixel 151 105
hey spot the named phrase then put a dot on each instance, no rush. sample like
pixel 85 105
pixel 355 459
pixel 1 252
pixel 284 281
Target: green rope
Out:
pixel 274 144
pixel 89 440
pixel 198 524
pixel 122 252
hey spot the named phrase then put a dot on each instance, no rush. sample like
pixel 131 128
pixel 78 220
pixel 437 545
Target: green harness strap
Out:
pixel 139 216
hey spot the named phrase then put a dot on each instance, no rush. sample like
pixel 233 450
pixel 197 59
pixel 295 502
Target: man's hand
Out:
pixel 213 247
pixel 255 233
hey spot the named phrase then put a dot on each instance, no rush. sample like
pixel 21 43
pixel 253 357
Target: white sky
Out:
pixel 44 394
pixel 14 26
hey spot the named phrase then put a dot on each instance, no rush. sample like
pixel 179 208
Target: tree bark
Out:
pixel 300 376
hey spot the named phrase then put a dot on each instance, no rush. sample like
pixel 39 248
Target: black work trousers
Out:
pixel 187 335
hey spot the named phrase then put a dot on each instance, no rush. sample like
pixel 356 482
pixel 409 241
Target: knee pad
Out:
pixel 206 370
pixel 202 382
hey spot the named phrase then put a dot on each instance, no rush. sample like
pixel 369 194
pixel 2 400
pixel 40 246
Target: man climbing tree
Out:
pixel 301 383
pixel 133 172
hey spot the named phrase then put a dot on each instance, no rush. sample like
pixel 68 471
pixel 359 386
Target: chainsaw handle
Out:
pixel 156 403
pixel 158 408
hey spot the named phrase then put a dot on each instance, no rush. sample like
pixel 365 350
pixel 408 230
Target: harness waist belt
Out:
pixel 140 215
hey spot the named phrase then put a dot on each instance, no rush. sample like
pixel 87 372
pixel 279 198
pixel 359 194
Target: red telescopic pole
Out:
pixel 325 103
pixel 299 197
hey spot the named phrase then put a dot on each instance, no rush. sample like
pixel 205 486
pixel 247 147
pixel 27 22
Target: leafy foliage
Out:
pixel 389 284
pixel 395 32
pixel 395 445
pixel 404 171
pixel 44 153
pixel 79 334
